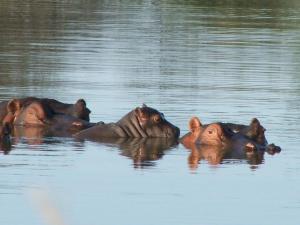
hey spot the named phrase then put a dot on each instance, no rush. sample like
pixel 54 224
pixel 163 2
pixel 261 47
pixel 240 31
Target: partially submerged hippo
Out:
pixel 139 123
pixel 40 114
pixel 9 110
pixel 227 135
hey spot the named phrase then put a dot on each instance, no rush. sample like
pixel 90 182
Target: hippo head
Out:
pixel 154 124
pixel 40 114
pixel 34 114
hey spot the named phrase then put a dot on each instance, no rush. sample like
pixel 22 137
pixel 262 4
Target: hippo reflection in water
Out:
pixel 217 141
pixel 139 123
pixel 143 151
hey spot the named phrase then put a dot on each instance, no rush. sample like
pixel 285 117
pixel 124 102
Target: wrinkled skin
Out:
pixel 9 110
pixel 236 137
pixel 39 114
pixel 140 122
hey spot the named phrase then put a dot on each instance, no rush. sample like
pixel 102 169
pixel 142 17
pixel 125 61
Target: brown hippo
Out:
pixel 227 135
pixel 40 114
pixel 10 109
pixel 140 122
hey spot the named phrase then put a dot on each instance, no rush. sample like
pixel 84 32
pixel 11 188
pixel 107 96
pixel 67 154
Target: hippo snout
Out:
pixel 173 132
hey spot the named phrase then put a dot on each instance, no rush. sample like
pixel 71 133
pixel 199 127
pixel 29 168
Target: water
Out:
pixel 228 61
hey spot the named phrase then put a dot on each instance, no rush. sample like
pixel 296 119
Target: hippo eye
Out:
pixel 156 118
pixel 210 131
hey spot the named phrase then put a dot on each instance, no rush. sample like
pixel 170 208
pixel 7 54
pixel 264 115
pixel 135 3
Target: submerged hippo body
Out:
pixel 139 123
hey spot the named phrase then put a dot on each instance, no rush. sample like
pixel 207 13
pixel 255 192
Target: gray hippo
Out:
pixel 139 123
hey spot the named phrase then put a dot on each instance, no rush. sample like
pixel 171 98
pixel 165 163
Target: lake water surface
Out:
pixel 228 61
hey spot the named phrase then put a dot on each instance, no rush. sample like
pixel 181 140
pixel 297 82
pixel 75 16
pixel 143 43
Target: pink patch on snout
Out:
pixel 249 147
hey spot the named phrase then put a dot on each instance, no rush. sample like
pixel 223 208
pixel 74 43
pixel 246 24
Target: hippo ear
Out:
pixel 194 124
pixel 254 126
pixel 80 105
pixel 138 111
pixel 13 105
pixel 81 102
pixel 140 114
pixel 144 105
pixel 81 109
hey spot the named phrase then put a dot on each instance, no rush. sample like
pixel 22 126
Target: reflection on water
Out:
pixel 215 155
pixel 146 150
pixel 220 60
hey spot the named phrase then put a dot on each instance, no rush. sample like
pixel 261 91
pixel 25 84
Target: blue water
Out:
pixel 222 62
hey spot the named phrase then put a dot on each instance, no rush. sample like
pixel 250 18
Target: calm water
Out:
pixel 228 61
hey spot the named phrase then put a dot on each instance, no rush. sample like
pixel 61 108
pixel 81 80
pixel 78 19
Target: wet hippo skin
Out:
pixel 227 135
pixel 140 122
pixel 40 114
pixel 10 109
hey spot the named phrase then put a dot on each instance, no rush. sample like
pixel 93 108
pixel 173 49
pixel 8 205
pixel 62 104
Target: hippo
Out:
pixel 139 123
pixel 40 115
pixel 227 135
pixel 10 109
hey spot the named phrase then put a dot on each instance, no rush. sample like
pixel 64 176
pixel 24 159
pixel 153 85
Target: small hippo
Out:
pixel 140 122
